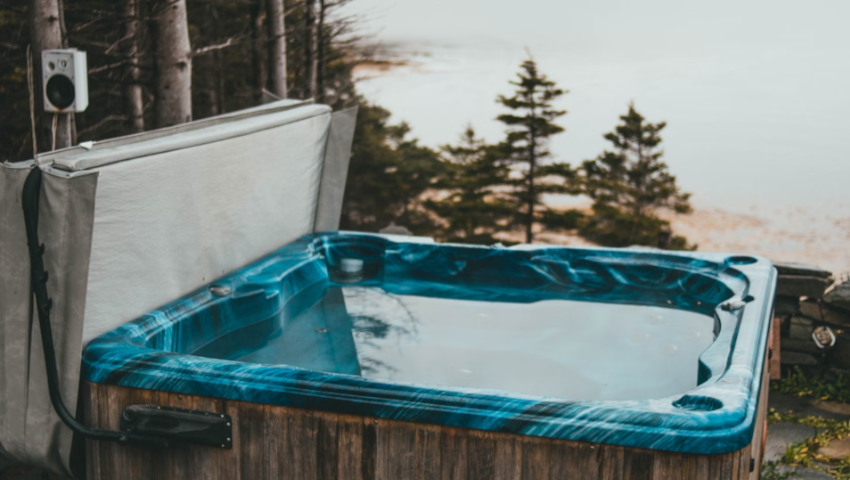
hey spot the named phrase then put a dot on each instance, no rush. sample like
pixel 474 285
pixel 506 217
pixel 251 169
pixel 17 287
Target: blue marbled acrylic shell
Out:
pixel 718 416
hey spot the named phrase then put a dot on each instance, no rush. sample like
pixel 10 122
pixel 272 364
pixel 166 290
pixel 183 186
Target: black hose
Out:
pixel 38 284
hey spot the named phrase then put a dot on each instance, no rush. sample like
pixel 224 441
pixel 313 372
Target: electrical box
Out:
pixel 64 80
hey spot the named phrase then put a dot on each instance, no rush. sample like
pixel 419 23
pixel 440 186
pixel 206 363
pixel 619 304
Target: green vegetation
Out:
pixel 805 453
pixel 768 472
pixel 530 124
pixel 836 388
pixel 388 176
pixel 478 193
pixel 471 192
pixel 629 184
pixel 470 207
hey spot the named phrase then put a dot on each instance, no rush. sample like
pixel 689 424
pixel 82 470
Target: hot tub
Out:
pixel 349 355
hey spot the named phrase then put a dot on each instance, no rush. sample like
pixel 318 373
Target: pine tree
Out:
pixel 388 176
pixel 629 185
pixel 472 210
pixel 530 125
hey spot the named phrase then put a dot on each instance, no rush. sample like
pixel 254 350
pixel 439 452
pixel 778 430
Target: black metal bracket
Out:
pixel 38 284
pixel 179 425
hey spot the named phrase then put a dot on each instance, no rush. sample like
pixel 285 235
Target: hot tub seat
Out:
pixel 718 416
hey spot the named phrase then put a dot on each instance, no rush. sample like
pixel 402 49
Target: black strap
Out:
pixel 43 303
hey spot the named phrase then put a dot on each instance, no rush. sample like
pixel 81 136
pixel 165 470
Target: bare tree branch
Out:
pixel 209 48
pixel 102 122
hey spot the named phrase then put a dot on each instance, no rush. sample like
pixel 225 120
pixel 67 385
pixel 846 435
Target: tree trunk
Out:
pixel 258 64
pixel 529 222
pixel 133 103
pixel 173 63
pixel 532 164
pixel 45 18
pixel 219 66
pixel 205 82
pixel 310 64
pixel 320 54
pixel 277 47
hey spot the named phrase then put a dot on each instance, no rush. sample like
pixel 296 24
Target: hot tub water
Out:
pixel 559 348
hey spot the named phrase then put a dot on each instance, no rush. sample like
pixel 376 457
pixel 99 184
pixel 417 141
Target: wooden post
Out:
pixel 775 362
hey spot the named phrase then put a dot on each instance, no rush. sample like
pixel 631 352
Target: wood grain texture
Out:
pixel 453 454
pixel 638 465
pixel 327 446
pixel 271 442
pixel 427 461
pixel 480 456
pixel 760 430
pixel 776 357
pixel 350 447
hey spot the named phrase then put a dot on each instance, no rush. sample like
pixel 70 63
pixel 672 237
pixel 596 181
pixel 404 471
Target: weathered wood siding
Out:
pixel 272 442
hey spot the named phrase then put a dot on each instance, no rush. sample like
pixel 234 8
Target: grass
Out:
pixel 797 383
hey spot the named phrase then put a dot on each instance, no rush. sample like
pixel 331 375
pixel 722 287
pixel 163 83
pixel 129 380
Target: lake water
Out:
pixel 565 349
pixel 754 94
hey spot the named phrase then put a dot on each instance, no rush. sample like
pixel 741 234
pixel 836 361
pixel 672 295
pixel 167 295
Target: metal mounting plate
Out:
pixel 178 425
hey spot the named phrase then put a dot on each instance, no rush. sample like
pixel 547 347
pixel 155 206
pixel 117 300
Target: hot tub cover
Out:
pixel 133 222
pixel 718 416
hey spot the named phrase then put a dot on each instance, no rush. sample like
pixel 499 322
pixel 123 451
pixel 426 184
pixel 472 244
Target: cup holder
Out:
pixel 698 403
pixel 740 260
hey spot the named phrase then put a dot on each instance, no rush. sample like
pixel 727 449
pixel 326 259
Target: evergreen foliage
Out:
pixel 530 124
pixel 15 137
pixel 471 208
pixel 388 176
pixel 222 71
pixel 469 192
pixel 629 185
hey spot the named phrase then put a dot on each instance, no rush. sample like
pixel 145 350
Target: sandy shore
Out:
pixel 801 235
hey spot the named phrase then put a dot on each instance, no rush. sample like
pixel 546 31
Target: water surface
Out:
pixel 558 348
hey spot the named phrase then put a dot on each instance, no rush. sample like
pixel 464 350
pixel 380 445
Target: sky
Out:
pixel 753 92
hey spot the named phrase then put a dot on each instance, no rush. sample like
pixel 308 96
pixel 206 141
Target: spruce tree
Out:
pixel 471 210
pixel 389 176
pixel 629 185
pixel 530 124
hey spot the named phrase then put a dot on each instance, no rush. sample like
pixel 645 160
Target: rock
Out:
pixel 839 355
pixel 803 473
pixel 782 434
pixel 825 312
pixel 801 328
pixel 395 230
pixel 806 406
pixel 839 408
pixel 839 296
pixel 802 346
pixel 800 269
pixel 797 358
pixel 837 449
pixel 802 286
pixel 786 306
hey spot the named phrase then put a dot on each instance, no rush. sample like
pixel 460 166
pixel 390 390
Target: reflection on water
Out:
pixel 559 348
